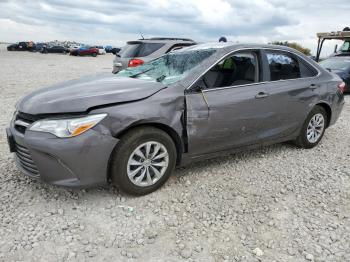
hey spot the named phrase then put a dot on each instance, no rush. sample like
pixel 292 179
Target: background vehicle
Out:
pixel 55 49
pixel 196 103
pixel 341 66
pixel 137 52
pixel 101 50
pixel 108 48
pixel 115 50
pixel 21 46
pixel 344 50
pixel 111 49
pixel 39 47
pixel 338 35
pixel 86 50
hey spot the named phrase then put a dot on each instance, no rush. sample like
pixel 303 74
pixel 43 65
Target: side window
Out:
pixel 345 47
pixel 283 66
pixel 306 69
pixel 149 48
pixel 238 69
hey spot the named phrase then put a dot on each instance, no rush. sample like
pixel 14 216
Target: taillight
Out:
pixel 341 87
pixel 135 62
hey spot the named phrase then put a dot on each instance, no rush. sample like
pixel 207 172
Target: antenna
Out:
pixel 142 36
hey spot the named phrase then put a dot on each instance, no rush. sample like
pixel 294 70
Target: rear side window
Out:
pixel 139 49
pixel 283 66
pixel 307 70
pixel 148 48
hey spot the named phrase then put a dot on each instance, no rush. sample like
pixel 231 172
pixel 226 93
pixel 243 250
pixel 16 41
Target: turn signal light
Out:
pixel 82 129
pixel 341 87
pixel 135 62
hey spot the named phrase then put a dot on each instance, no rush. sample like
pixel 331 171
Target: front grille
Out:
pixel 22 121
pixel 25 160
pixel 27 117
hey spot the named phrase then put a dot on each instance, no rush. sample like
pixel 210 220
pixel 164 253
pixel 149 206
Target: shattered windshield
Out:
pixel 169 68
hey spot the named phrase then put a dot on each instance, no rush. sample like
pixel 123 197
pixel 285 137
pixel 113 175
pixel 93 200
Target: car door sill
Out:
pixel 188 159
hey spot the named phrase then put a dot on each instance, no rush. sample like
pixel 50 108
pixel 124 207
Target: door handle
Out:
pixel 313 86
pixel 262 95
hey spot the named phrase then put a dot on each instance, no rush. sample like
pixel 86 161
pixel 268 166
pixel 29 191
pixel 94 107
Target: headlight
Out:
pixel 67 127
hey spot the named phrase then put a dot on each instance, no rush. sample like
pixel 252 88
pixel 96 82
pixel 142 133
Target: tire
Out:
pixel 125 152
pixel 302 140
pixel 94 54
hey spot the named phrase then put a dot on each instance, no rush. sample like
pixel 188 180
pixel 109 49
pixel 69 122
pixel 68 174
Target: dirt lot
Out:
pixel 279 203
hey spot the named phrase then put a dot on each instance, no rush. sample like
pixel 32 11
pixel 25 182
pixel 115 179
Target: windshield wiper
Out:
pixel 133 76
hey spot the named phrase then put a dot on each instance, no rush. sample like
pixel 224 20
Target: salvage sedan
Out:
pixel 132 129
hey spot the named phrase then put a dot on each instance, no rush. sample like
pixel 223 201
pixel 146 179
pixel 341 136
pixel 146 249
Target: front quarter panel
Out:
pixel 166 107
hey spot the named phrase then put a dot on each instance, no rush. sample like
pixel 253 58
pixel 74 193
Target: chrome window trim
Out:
pixel 265 82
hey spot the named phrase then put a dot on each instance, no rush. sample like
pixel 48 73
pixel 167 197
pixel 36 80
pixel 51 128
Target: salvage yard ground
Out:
pixel 278 203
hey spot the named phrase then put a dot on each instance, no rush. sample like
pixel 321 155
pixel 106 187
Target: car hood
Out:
pixel 81 94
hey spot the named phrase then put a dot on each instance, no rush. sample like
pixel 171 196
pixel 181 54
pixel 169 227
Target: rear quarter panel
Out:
pixel 330 94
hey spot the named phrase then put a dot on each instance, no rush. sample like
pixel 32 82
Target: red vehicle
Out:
pixel 87 50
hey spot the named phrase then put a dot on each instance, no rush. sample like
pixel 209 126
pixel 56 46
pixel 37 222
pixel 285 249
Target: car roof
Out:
pixel 170 40
pixel 226 47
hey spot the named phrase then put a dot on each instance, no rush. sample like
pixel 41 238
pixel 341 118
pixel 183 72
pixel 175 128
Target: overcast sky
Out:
pixel 114 22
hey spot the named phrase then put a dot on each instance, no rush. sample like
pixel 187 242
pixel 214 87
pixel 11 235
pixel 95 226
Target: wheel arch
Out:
pixel 167 129
pixel 328 110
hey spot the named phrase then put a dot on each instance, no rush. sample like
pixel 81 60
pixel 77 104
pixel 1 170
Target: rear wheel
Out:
pixel 313 128
pixel 94 54
pixel 143 160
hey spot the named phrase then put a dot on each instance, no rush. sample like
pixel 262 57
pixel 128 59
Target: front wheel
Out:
pixel 94 54
pixel 143 160
pixel 313 128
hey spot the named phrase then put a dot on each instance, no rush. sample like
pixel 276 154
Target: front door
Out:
pixel 232 109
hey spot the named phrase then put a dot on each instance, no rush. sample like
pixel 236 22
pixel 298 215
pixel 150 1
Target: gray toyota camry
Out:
pixel 132 129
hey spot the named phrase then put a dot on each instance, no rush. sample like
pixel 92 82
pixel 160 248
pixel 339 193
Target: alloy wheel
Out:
pixel 315 128
pixel 147 163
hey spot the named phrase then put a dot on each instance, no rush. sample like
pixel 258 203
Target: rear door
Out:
pixel 291 88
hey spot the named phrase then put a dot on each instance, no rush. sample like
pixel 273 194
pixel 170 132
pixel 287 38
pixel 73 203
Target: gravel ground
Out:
pixel 279 203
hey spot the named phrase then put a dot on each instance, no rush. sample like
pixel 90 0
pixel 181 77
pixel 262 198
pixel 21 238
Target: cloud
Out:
pixel 114 22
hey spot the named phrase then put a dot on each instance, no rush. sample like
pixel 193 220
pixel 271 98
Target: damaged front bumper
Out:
pixel 80 161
